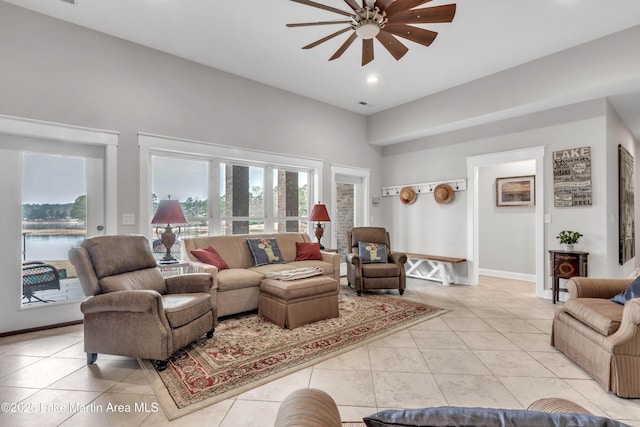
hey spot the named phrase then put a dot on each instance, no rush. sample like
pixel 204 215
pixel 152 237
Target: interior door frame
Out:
pixel 13 317
pixel 361 196
pixel 474 163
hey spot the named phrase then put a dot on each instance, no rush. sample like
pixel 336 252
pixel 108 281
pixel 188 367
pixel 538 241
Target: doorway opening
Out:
pixel 474 163
pixel 349 207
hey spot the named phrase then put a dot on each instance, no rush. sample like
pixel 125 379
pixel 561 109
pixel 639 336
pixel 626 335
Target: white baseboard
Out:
pixel 507 274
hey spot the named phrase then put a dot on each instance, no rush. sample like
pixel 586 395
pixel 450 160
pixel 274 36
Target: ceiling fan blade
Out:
pixel 308 24
pixel 344 47
pixel 392 44
pixel 324 7
pixel 383 4
pixel 324 39
pixel 367 51
pixel 352 4
pixel 400 6
pixel 415 34
pixel 427 15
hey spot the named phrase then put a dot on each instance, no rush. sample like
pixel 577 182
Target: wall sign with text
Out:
pixel 572 177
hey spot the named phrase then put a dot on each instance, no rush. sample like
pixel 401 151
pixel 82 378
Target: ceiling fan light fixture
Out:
pixel 385 20
pixel 367 30
pixel 367 22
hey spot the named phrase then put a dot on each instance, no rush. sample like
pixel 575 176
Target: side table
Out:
pixel 565 265
pixel 168 270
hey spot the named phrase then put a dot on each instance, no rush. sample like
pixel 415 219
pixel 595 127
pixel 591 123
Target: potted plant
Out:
pixel 568 238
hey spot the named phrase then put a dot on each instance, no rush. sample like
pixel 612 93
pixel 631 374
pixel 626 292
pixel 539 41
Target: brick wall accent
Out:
pixel 345 213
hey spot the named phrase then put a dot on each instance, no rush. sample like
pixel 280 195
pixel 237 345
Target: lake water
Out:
pixel 50 247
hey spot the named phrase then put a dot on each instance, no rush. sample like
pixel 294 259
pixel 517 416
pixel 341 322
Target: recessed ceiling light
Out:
pixel 372 79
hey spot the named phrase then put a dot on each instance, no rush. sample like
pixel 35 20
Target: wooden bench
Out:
pixel 437 268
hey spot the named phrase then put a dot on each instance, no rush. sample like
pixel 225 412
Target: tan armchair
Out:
pixel 385 275
pixel 132 310
pixel 601 336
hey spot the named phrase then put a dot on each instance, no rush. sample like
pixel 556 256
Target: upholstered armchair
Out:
pixel 599 335
pixel 132 310
pixel 379 268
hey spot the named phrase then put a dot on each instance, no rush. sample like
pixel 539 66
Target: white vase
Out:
pixel 567 247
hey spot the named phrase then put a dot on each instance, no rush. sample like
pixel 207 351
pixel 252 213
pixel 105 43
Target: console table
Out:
pixel 565 265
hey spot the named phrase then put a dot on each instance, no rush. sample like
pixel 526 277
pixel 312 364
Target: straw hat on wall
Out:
pixel 408 195
pixel 443 193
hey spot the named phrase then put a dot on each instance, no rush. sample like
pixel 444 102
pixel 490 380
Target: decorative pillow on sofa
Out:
pixel 210 256
pixel 308 251
pixel 265 251
pixel 633 291
pixel 372 252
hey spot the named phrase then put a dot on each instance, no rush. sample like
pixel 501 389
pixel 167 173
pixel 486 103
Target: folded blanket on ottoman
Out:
pixel 295 274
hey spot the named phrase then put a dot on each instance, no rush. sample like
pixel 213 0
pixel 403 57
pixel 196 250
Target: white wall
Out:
pixel 506 234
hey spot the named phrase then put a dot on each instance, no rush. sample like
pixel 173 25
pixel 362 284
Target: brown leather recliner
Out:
pixel 133 310
pixel 378 275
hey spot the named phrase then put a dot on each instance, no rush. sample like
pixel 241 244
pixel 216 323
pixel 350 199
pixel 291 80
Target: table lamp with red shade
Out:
pixel 319 215
pixel 169 212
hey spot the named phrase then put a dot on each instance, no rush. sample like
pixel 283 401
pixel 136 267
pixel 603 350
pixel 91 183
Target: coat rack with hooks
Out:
pixel 425 187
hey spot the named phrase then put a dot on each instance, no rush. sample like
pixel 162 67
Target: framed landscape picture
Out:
pixel 516 191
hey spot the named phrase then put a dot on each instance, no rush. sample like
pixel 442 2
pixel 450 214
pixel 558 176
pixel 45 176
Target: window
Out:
pixel 242 206
pixel 290 200
pixel 54 219
pixel 242 199
pixel 244 191
pixel 185 180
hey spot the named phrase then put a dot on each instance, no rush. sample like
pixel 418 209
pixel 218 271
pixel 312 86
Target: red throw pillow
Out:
pixel 210 256
pixel 308 251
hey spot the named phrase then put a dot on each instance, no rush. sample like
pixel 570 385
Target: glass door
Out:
pixel 56 216
pixel 28 183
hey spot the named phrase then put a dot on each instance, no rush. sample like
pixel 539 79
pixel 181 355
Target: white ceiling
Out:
pixel 249 38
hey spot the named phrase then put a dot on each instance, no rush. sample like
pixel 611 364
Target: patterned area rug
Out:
pixel 249 351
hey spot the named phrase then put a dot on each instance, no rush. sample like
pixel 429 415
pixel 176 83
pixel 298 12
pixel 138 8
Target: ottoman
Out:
pixel 294 303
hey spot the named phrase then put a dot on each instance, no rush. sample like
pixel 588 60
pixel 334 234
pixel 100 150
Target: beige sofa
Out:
pixel 601 336
pixel 237 289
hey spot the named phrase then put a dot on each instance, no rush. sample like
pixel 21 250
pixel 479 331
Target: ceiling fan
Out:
pixel 384 20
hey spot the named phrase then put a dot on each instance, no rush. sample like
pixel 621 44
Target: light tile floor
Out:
pixel 491 349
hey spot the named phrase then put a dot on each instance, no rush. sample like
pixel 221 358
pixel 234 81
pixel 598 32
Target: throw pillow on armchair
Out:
pixel 372 252
pixel 633 291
